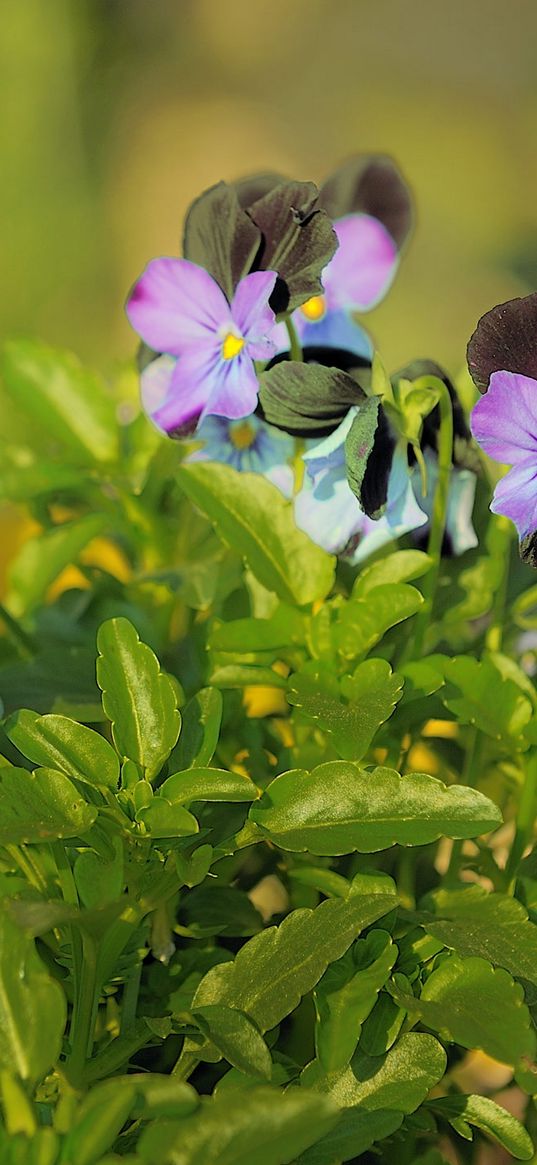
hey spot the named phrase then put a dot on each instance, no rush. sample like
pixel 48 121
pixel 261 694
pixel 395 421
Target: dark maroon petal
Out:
pixel 505 340
pixel 255 186
pixel 221 237
pixel 370 184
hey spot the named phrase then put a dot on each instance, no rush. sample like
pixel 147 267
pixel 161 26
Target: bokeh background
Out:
pixel 116 113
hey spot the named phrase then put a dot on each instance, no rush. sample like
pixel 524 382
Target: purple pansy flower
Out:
pixel 355 280
pixel 504 422
pixel 178 308
pixel 248 444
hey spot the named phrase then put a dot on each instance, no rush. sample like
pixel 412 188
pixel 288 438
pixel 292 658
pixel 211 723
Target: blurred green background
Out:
pixel 116 113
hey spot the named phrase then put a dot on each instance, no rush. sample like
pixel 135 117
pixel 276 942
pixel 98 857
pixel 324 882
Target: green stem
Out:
pixel 500 545
pixel 84 1013
pixel 471 761
pixel 525 820
pixel 129 1002
pixel 438 520
pixel 15 632
pixel 185 1065
pixel 295 349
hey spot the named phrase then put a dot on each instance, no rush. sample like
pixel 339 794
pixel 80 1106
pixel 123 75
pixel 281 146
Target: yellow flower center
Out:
pixel 242 435
pixel 313 309
pixel 231 346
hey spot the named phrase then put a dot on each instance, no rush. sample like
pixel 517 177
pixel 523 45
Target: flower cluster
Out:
pixel 252 351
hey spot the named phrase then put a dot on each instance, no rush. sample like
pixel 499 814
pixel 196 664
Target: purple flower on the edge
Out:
pixel 504 422
pixel 179 309
pixel 355 280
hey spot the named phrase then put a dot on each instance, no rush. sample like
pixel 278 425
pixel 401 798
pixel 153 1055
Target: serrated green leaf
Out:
pixel 346 994
pixel 376 1093
pixel 269 1127
pixel 400 567
pixel 475 1005
pixel 496 705
pixel 41 559
pixel 33 1010
pixel 364 621
pixel 490 1118
pixel 492 926
pixel 200 728
pixel 237 1039
pixel 277 967
pixel 208 785
pixel 138 698
pixel 99 880
pixel 40 806
pixel 372 693
pixel 61 743
pixel 339 808
pixel 251 515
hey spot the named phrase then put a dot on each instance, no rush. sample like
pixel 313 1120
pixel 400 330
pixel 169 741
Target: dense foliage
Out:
pixel 267 799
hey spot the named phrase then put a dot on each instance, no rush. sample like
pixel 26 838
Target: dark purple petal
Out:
pixel 505 338
pixel 234 388
pixel 515 496
pixel 504 421
pixel 194 377
pixel 250 310
pixel 370 184
pixel 176 304
pixel 363 266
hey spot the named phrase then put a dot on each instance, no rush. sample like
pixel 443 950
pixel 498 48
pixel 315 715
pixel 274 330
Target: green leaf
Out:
pixel 200 728
pixel 220 236
pixel 33 1011
pixel 477 1006
pixel 298 241
pixel 40 806
pixel 208 785
pixel 346 994
pixel 251 516
pixel 376 1093
pixel 364 621
pixel 268 1127
pixel 56 741
pixel 492 926
pixel 400 567
pixel 307 399
pixel 41 559
pixel 489 1117
pixel 220 910
pixel 339 808
pixel 99 880
pixel 277 967
pixel 237 1038
pixel 372 693
pixel 359 444
pixel 495 704
pixel 162 819
pixel 137 698
pixel 239 675
pixel 64 400
pixel 285 627
pixel 99 1120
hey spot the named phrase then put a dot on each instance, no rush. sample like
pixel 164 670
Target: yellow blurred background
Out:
pixel 116 113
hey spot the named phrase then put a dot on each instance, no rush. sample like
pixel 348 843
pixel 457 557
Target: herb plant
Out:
pixel 269 746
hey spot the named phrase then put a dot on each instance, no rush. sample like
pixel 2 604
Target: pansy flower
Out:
pixel 248 444
pixel 179 309
pixel 502 358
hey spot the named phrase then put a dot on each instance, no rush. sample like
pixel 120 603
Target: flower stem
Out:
pixel 295 349
pixel 438 520
pixel 525 819
pixel 500 545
